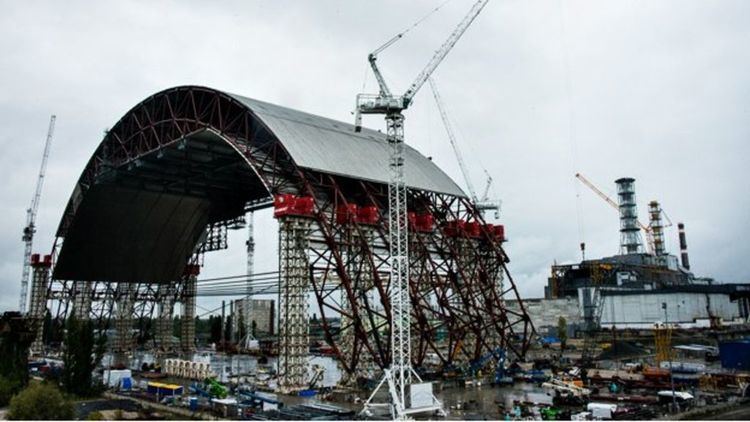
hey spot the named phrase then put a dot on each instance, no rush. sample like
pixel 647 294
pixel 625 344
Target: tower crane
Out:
pixel 484 203
pixel 648 230
pixel 398 375
pixel 30 228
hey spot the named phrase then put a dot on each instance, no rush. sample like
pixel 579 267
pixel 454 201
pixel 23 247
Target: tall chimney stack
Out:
pixel 683 246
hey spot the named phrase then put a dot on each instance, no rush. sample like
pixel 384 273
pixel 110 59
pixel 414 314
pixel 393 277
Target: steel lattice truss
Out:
pixel 457 284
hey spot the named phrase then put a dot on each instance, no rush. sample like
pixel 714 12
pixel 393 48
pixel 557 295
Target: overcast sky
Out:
pixel 539 90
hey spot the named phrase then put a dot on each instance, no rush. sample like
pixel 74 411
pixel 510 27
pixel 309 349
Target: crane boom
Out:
pixel 646 229
pixel 30 228
pixel 452 139
pixel 385 102
pixel 444 50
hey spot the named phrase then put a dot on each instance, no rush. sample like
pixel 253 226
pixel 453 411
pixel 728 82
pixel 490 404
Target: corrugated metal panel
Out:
pixel 331 146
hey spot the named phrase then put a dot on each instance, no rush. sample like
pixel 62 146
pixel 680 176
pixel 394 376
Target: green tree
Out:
pixel 562 331
pixel 7 389
pixel 228 330
pixel 16 336
pixel 82 351
pixel 215 324
pixel 40 402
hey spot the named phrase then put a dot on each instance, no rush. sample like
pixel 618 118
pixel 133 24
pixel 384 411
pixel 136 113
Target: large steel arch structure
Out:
pixel 187 161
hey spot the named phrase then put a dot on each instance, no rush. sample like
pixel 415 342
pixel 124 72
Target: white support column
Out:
pixel 124 318
pixel 165 297
pixel 293 320
pixel 82 299
pixel 468 264
pixel 38 305
pixel 187 335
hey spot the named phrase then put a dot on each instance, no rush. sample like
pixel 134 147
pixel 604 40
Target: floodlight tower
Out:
pixel 399 375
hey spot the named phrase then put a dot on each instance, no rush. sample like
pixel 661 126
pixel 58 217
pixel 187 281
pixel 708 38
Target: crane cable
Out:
pixel 571 123
pixel 400 35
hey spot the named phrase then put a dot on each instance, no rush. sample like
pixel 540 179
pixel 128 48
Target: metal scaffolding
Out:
pixel 294 284
pixel 124 319
pixel 189 290
pixel 82 299
pixel 38 305
pixel 243 161
pixel 164 323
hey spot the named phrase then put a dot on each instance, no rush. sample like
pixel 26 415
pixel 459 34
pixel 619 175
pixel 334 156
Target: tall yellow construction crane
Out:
pixel 646 229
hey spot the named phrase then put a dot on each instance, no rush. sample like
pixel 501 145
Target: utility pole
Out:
pixel 399 375
pixel 30 228
pixel 248 305
pixel 675 406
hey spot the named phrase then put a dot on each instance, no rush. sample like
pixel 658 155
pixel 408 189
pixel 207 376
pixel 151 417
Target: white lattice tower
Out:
pixel 124 317
pixel 82 299
pixel 293 321
pixel 398 239
pixel 38 304
pixel 165 300
pixel 399 375
pixel 187 326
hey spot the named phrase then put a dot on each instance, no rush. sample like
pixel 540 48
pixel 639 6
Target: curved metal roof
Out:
pixel 331 146
pixel 191 156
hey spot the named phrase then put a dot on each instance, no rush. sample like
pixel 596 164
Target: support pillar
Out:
pixel 82 299
pixel 466 262
pixel 165 298
pixel 124 320
pixel 187 336
pixel 38 305
pixel 293 322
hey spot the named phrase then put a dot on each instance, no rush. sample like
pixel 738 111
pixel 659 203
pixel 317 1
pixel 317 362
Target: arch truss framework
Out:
pixel 459 279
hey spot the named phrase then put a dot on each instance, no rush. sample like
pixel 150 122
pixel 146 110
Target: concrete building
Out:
pixel 545 313
pixel 688 306
pixel 264 314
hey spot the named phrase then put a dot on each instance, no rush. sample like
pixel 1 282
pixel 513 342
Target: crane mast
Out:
pixel 30 228
pixel 398 375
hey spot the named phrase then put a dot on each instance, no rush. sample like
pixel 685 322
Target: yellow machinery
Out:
pixel 663 343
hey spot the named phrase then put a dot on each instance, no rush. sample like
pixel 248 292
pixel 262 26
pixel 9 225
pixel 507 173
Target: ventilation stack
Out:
pixel 683 246
pixel 630 233
pixel 657 228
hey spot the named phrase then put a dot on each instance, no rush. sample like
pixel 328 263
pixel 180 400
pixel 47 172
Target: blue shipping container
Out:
pixel 735 354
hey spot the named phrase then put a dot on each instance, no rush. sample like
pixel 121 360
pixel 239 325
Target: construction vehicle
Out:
pixel 566 388
pixel 399 375
pixel 483 204
pixel 210 388
pixel 472 369
pixel 30 228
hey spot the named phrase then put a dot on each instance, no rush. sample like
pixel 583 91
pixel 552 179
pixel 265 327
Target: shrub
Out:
pixel 8 388
pixel 40 402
